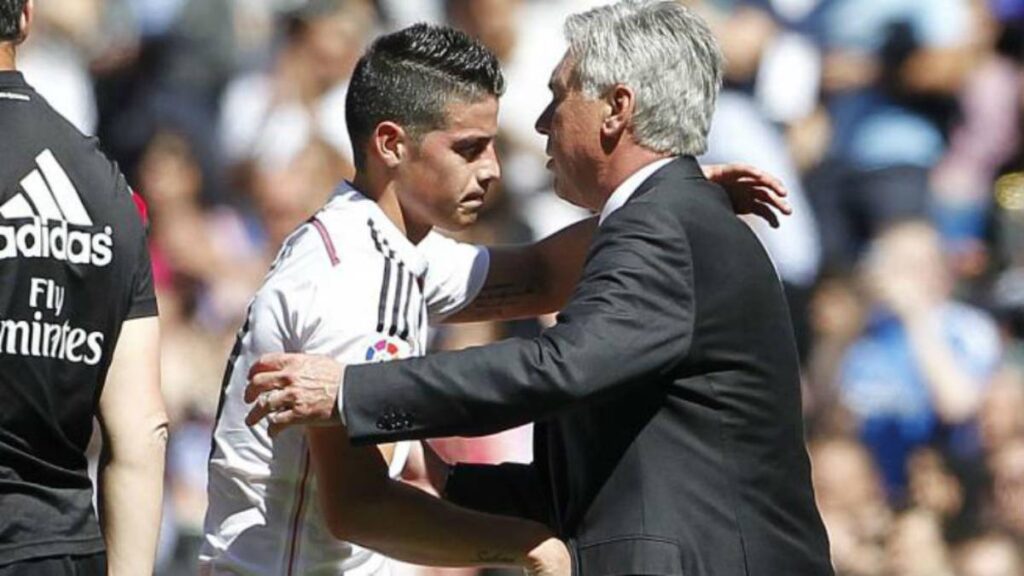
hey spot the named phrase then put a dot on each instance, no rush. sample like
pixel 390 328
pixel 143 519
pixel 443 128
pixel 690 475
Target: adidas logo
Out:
pixel 52 204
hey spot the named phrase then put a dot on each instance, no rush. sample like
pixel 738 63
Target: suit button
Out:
pixel 382 424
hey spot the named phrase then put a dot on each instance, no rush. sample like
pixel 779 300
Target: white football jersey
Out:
pixel 347 284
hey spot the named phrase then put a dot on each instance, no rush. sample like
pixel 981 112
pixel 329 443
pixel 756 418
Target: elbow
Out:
pixel 138 451
pixel 349 519
pixel 340 526
pixel 352 527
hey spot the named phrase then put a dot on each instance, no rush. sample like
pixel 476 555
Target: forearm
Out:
pixel 131 500
pixel 438 533
pixel 360 504
pixel 134 425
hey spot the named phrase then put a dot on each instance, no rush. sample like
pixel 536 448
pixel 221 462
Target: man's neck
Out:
pixel 6 57
pixel 621 166
pixel 386 196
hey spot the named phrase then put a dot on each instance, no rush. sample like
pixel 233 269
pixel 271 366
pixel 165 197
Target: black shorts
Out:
pixel 91 565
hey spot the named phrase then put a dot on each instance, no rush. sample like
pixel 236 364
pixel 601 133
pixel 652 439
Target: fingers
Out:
pixel 264 382
pixel 273 362
pixel 771 182
pixel 268 404
pixel 770 196
pixel 280 421
pixel 767 213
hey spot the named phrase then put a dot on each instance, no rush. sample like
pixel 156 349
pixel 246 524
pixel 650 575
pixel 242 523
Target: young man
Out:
pixel 78 339
pixel 357 284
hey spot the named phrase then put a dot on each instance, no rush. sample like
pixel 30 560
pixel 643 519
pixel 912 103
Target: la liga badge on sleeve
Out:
pixel 387 349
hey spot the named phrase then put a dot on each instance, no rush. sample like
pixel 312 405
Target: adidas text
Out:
pixel 56 241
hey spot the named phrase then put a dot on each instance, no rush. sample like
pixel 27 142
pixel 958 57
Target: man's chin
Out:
pixel 567 196
pixel 462 220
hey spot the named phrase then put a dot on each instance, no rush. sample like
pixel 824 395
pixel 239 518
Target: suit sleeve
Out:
pixel 631 316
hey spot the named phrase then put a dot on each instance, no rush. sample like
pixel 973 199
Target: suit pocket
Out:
pixel 628 556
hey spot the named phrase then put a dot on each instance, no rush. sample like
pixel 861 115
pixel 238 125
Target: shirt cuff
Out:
pixel 399 458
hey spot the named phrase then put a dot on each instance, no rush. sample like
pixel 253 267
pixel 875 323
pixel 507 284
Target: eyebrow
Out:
pixel 474 140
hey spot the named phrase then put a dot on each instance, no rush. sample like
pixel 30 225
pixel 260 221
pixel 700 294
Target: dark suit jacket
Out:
pixel 669 436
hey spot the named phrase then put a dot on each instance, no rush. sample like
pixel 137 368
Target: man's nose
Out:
pixel 543 124
pixel 491 171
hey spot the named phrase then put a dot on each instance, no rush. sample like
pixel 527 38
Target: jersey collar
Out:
pixel 389 235
pixel 12 79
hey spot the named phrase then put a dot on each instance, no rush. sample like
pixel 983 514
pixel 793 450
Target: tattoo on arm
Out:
pixel 494 557
pixel 494 298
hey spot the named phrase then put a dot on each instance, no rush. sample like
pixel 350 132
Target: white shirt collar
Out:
pixel 628 187
pixel 390 236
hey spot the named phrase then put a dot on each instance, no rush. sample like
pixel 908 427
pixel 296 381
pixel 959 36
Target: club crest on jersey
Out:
pixel 55 215
pixel 387 349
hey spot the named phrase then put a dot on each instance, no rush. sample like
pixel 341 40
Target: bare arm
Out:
pixel 533 279
pixel 134 426
pixel 361 504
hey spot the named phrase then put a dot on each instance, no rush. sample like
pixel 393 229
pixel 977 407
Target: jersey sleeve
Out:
pixel 143 295
pixel 455 274
pixel 334 315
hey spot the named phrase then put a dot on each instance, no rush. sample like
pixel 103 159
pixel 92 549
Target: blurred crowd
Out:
pixel 895 124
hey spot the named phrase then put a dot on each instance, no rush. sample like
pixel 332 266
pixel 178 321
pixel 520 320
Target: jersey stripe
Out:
pixel 385 288
pixel 396 304
pixel 383 299
pixel 405 313
pixel 293 547
pixel 236 351
pixel 400 322
pixel 17 207
pixel 326 237
pixel 63 190
pixel 40 196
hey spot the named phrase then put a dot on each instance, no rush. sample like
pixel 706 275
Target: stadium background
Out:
pixel 896 125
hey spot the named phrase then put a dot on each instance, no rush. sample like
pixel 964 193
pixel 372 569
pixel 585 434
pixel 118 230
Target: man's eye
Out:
pixel 471 151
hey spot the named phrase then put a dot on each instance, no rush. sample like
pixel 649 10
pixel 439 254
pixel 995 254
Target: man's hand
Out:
pixel 549 558
pixel 751 191
pixel 291 389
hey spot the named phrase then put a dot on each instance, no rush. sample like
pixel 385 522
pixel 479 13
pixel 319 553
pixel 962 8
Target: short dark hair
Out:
pixel 10 19
pixel 409 77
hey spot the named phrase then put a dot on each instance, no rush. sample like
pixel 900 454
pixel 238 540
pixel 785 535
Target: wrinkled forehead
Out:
pixel 561 76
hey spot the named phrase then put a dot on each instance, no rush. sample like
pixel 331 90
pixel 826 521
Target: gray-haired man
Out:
pixel 669 436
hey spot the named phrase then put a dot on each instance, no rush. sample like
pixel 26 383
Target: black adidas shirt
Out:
pixel 73 267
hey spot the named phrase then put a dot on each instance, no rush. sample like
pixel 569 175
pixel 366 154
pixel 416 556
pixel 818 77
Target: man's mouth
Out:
pixel 473 199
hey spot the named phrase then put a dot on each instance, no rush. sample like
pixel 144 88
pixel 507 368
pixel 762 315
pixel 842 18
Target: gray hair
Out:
pixel 665 53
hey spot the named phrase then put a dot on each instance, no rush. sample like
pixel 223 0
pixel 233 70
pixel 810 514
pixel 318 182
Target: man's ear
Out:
pixel 25 20
pixel 390 143
pixel 621 101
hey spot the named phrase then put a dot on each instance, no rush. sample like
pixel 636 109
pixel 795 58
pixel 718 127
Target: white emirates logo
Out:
pixel 51 203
